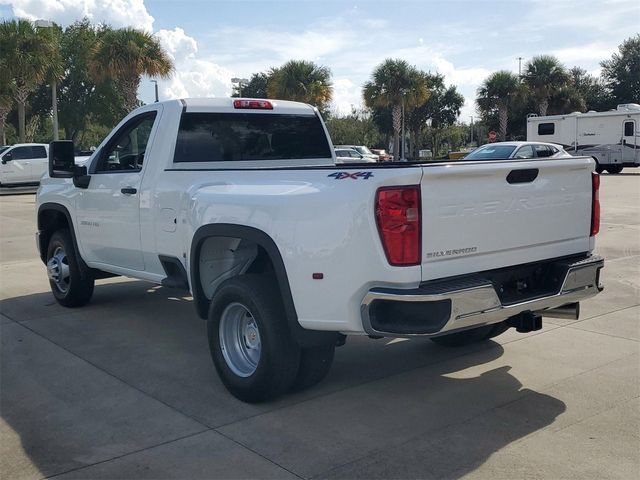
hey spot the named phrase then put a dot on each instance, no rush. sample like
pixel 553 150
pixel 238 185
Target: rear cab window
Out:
pixel 248 137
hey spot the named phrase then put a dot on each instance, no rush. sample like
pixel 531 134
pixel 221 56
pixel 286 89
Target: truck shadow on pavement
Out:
pixel 132 371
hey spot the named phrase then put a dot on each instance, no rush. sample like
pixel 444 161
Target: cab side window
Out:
pixel 21 153
pixel 38 151
pixel 126 150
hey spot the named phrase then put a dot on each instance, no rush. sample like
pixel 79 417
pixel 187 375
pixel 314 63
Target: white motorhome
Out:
pixel 612 138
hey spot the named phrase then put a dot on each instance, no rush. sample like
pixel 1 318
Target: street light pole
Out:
pixel 156 88
pixel 519 66
pixel 241 82
pixel 54 85
pixel 402 139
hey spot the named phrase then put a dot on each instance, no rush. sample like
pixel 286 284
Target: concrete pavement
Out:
pixel 124 388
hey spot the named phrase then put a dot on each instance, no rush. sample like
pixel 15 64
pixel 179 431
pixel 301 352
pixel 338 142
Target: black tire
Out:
pixel 614 169
pixel 75 284
pixel 466 337
pixel 279 356
pixel 315 364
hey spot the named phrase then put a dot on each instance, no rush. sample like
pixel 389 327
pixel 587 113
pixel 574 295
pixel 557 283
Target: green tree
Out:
pixel 256 88
pixel 124 55
pixel 622 71
pixel 301 81
pixel 357 128
pixel 84 101
pixel 497 93
pixel 6 103
pixel 593 90
pixel 26 60
pixel 441 109
pixel 394 83
pixel 544 75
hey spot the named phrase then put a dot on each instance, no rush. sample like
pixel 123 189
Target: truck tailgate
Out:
pixel 480 216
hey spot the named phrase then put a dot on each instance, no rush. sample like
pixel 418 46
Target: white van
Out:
pixel 23 163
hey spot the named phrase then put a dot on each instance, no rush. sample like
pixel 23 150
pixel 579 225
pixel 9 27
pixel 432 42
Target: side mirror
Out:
pixel 62 162
pixel 7 157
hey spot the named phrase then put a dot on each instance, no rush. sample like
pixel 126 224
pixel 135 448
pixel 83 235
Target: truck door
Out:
pixel 629 142
pixel 109 209
pixel 39 162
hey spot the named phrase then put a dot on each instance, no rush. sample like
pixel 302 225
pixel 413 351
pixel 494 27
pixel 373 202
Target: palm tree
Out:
pixel 124 55
pixel 25 62
pixel 394 83
pixel 496 93
pixel 543 75
pixel 301 81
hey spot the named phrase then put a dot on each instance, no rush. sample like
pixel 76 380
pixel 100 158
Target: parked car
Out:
pixel 349 155
pixel 240 203
pixel 361 149
pixel 382 154
pixel 23 163
pixel 517 150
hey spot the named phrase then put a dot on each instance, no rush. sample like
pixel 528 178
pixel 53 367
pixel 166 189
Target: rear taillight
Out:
pixel 398 216
pixel 595 203
pixel 253 104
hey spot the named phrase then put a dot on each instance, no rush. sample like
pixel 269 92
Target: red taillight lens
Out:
pixel 595 203
pixel 254 104
pixel 398 216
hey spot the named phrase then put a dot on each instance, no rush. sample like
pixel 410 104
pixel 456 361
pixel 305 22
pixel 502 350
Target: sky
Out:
pixel 212 41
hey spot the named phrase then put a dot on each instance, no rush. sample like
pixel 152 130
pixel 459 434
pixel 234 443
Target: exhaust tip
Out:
pixel 570 311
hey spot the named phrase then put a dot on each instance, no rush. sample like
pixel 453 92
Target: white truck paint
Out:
pixel 496 241
pixel 612 138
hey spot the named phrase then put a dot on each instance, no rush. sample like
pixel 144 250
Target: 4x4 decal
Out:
pixel 351 175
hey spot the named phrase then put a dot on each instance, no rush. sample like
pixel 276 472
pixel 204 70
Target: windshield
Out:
pixel 362 150
pixel 491 152
pixel 5 148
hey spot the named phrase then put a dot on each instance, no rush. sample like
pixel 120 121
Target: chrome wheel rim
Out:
pixel 58 270
pixel 240 339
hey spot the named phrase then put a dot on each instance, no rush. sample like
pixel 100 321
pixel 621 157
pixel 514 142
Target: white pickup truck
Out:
pixel 285 253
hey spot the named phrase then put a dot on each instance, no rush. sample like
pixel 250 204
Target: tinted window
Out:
pixel 546 128
pixel 491 152
pixel 21 153
pixel 38 152
pixel 125 152
pixel 6 147
pixel 628 129
pixel 216 137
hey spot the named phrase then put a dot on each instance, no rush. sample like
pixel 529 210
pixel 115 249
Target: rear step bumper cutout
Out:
pixel 437 308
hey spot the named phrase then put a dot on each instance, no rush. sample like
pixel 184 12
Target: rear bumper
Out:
pixel 443 307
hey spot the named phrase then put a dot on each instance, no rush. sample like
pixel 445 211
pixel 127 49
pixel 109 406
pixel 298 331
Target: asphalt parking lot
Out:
pixel 124 388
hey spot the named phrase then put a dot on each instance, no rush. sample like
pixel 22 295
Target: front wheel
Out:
pixel 70 285
pixel 251 346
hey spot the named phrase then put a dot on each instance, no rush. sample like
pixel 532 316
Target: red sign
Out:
pixel 492 136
